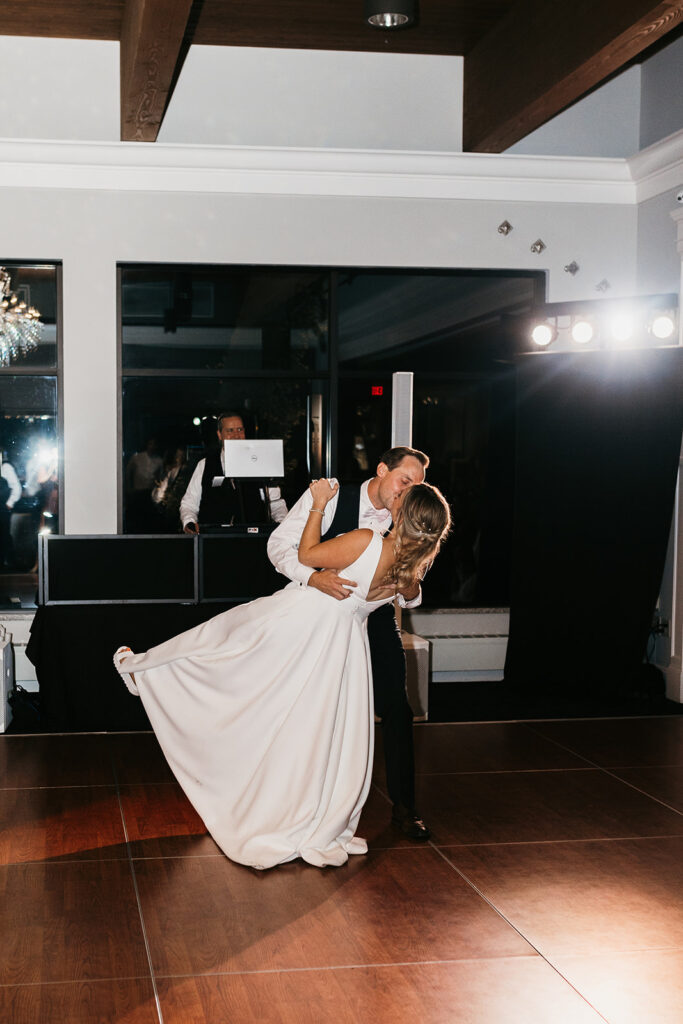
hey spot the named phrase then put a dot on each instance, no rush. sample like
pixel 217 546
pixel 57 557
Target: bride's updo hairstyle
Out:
pixel 422 523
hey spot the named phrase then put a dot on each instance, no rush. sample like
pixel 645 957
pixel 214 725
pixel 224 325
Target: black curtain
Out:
pixel 598 443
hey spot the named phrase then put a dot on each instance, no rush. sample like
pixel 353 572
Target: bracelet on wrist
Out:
pixel 320 511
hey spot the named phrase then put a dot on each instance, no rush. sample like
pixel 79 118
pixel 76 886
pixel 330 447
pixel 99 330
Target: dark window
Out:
pixel 224 318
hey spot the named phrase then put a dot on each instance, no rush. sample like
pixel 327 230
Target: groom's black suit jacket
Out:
pixel 388 672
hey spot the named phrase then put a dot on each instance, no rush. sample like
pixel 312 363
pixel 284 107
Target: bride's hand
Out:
pixel 322 491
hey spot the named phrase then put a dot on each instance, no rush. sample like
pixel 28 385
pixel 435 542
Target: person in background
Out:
pixel 142 473
pixel 169 491
pixel 232 501
pixel 10 492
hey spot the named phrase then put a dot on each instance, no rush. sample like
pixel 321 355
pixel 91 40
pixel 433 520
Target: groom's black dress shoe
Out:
pixel 410 824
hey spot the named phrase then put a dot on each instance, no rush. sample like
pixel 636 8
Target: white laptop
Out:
pixel 253 458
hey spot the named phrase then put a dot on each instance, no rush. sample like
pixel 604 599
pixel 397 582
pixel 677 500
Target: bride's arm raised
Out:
pixel 329 554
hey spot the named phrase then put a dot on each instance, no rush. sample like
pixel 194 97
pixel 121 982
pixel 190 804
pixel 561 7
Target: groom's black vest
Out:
pixel 347 511
pixel 237 501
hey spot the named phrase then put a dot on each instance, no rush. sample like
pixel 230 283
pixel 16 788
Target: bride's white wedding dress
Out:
pixel 265 716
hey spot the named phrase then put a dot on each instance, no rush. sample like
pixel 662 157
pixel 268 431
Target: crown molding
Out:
pixel 658 168
pixel 313 172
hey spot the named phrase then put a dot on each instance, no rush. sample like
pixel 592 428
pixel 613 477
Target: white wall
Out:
pixel 59 89
pixel 659 265
pixel 661 106
pixel 605 123
pixel 268 97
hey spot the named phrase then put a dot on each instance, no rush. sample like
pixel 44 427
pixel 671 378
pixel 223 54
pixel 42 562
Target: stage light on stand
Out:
pixel 543 334
pixel 663 326
pixel 582 331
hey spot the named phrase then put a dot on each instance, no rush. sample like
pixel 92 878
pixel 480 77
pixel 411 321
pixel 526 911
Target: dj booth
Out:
pixel 98 593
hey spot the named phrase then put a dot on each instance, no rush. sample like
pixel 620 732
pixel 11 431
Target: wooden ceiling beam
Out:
pixel 542 56
pixel 152 35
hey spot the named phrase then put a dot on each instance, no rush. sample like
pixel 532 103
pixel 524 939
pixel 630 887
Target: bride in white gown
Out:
pixel 265 713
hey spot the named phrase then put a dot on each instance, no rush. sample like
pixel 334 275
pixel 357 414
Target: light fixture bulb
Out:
pixel 196 421
pixel 389 14
pixel 663 327
pixel 542 335
pixel 388 20
pixel 582 332
pixel 621 327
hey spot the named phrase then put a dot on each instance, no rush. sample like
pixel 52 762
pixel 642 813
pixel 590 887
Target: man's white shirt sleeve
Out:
pixel 192 498
pixel 10 475
pixel 283 543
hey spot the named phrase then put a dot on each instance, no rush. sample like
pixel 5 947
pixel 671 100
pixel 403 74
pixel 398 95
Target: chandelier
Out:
pixel 20 326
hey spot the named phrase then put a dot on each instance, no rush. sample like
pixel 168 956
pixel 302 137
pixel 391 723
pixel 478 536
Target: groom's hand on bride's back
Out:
pixel 330 582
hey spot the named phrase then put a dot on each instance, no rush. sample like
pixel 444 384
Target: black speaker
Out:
pixel 117 570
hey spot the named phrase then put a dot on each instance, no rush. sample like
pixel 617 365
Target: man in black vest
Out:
pixel 369 505
pixel 213 498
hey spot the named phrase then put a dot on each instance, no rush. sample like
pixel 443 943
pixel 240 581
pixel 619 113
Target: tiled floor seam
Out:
pixel 352 967
pixel 145 938
pixel 611 772
pixel 502 916
pixel 74 981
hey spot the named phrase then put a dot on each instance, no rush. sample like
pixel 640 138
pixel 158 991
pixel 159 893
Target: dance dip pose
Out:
pixel 265 712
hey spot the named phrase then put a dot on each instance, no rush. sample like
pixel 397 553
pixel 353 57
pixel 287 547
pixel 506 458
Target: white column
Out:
pixel 90 445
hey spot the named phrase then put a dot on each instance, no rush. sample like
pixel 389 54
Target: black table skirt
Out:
pixel 72 648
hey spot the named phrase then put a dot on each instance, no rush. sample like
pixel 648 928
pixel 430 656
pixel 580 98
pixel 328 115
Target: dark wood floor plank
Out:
pixel 206 914
pixel 137 757
pixel 539 807
pixel 630 988
pixel 584 898
pixel 620 742
pixel 82 822
pixel 130 1001
pixel 504 991
pixel 66 760
pixel 69 921
pixel 161 822
pixel 486 747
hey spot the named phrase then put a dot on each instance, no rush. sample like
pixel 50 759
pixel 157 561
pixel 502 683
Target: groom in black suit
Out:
pixel 369 505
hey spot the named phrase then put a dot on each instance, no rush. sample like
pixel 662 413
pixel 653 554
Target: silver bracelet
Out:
pixel 318 510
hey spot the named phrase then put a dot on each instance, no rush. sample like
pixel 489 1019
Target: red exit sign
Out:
pixel 376 389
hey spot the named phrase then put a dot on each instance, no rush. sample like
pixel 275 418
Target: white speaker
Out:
pixel 402 410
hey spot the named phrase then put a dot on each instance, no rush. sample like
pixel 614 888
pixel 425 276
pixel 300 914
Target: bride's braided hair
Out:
pixel 423 522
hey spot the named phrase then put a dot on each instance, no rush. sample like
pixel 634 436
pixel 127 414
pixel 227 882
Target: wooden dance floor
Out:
pixel 552 890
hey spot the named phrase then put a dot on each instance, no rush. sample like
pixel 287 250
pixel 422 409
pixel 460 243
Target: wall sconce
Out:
pixel 389 13
pixel 538 246
pixel 505 228
pixel 571 268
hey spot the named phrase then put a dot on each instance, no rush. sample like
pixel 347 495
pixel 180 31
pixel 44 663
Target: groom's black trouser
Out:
pixel 391 704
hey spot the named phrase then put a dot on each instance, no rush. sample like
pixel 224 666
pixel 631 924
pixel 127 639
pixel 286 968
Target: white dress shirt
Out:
pixel 192 498
pixel 9 473
pixel 283 543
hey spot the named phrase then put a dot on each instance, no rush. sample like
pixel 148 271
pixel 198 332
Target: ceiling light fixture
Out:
pixel 389 13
